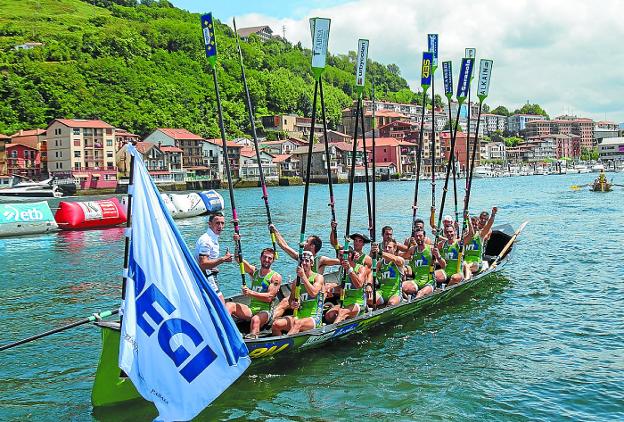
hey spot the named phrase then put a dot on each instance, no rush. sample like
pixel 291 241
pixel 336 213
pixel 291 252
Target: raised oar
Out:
pixel 320 39
pixel 332 202
pixel 447 72
pixel 432 40
pixel 462 92
pixel 211 53
pixel 470 53
pixel 92 318
pixel 374 230
pixel 425 83
pixel 485 72
pixel 265 194
pixel 508 245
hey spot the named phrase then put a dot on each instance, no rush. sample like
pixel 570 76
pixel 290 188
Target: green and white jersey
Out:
pixel 474 250
pixel 419 263
pixel 310 307
pixel 390 278
pixel 450 253
pixel 361 259
pixel 260 284
pixel 352 294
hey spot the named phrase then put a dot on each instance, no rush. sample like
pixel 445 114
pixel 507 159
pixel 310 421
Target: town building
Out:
pixel 494 151
pixel 4 140
pixel 249 169
pixel 612 150
pixel 123 137
pixel 24 160
pixel 516 123
pixel 605 129
pixel 34 138
pixel 460 149
pixel 292 124
pixel 84 150
pixel 493 123
pixel 382 117
pixel 163 163
pixel 264 32
pixel 189 142
pixel 287 165
pixel 234 156
pixel 285 146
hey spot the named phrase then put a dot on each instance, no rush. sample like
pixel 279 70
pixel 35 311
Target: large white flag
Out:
pixel 178 344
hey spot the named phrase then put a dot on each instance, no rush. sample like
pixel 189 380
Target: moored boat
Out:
pixel 24 190
pixel 110 389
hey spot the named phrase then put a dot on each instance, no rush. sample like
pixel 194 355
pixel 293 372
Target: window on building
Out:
pixel 109 142
pixel 76 131
pixel 110 164
pixel 77 154
pixel 76 142
pixel 77 166
pixel 109 154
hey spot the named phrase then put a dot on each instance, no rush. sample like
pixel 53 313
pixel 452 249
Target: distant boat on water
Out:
pixel 22 189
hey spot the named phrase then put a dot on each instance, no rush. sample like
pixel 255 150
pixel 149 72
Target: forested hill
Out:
pixel 142 66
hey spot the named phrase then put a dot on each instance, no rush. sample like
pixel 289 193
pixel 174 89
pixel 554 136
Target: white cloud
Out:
pixel 564 55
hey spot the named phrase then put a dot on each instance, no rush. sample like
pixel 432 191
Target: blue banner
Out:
pixel 426 71
pixel 179 346
pixel 447 72
pixel 465 75
pixel 210 42
pixel 432 43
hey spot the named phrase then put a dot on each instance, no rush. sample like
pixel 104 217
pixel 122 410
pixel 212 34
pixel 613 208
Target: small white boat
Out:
pixel 26 190
pixel 597 168
pixel 581 168
pixel 482 172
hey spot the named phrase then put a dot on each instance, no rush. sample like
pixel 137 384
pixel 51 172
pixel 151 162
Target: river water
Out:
pixel 543 340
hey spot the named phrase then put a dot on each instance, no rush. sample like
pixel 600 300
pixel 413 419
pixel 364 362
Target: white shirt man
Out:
pixel 207 251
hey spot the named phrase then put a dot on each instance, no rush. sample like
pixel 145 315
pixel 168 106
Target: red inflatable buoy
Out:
pixel 90 214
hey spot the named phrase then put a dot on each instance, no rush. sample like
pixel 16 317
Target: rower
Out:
pixel 207 252
pixel 390 270
pixel 359 240
pixel 265 284
pixel 476 246
pixel 449 248
pixel 309 304
pixel 420 256
pixel 387 235
pixel 355 276
pixel 419 224
pixel 484 218
pixel 313 244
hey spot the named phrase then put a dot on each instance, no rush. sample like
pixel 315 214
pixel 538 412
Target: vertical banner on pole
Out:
pixel 210 42
pixel 465 75
pixel 447 72
pixel 320 39
pixel 426 70
pixel 432 41
pixel 485 71
pixel 360 70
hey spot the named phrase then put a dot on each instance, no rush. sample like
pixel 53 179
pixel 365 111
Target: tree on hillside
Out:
pixel 513 141
pixel 501 111
pixel 531 109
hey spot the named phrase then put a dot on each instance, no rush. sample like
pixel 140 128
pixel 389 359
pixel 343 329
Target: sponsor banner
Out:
pixel 210 42
pixel 465 75
pixel 258 350
pixel 447 72
pixel 99 210
pixel 25 213
pixel 426 70
pixel 362 57
pixel 432 42
pixel 320 40
pixel 485 71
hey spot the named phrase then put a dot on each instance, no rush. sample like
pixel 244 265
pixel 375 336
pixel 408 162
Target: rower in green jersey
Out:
pixel 265 284
pixel 310 303
pixel 474 250
pixel 390 270
pixel 359 240
pixel 313 244
pixel 449 248
pixel 419 261
pixel 354 276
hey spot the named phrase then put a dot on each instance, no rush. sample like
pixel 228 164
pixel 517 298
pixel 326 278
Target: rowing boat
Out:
pixel 111 389
pixel 599 186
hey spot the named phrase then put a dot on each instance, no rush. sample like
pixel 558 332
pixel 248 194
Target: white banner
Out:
pixel 320 40
pixel 178 344
pixel 485 71
pixel 362 57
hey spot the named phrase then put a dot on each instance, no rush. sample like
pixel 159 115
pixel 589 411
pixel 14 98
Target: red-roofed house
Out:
pixel 34 138
pixel 249 169
pixel 189 142
pixel 382 117
pixel 85 149
pixel 122 137
pixel 163 163
pixel 234 156
pixel 287 165
pixel 24 160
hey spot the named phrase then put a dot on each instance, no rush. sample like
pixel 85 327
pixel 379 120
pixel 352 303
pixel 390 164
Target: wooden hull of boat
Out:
pixel 109 389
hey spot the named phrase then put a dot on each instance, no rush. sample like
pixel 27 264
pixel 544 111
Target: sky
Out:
pixel 565 55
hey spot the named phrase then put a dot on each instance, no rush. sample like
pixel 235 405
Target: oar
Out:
pixel 577 187
pixel 330 184
pixel 374 205
pixel 87 320
pixel 508 245
pixel 432 41
pixel 425 83
pixel 265 195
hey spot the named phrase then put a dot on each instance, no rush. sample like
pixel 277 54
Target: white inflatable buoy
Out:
pixel 29 218
pixel 192 204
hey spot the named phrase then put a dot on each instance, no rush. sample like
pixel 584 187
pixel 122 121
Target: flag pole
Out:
pixel 265 194
pixel 425 83
pixel 211 54
pixel 433 48
pixel 374 205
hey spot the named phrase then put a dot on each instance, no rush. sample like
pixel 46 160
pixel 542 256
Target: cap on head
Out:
pixel 447 218
pixel 361 236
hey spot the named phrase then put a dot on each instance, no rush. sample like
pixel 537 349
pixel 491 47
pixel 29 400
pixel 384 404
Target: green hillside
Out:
pixel 142 66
